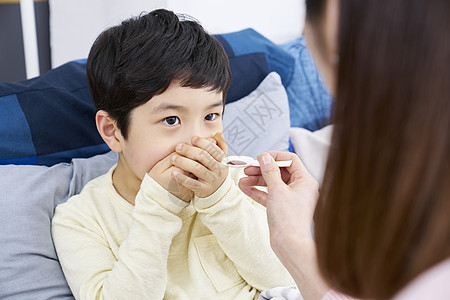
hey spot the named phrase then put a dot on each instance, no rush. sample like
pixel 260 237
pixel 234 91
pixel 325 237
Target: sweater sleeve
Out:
pixel 139 268
pixel 240 227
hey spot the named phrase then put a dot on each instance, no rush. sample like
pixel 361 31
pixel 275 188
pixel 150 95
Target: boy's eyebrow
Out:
pixel 218 103
pixel 167 106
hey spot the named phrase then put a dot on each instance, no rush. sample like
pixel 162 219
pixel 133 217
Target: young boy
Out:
pixel 168 221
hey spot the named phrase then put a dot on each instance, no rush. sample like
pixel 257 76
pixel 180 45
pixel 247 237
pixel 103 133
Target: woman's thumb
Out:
pixel 270 171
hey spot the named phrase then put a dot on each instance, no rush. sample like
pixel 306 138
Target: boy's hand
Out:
pixel 162 174
pixel 203 160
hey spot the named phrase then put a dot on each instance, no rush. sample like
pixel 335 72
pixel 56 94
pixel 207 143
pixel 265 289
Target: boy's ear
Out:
pixel 107 127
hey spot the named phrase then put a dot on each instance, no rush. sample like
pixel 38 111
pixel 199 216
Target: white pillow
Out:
pixel 312 147
pixel 258 122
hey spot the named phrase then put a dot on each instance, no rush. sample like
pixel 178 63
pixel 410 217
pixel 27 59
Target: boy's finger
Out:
pixel 193 167
pixel 220 139
pixel 209 146
pixel 164 163
pixel 186 181
pixel 198 154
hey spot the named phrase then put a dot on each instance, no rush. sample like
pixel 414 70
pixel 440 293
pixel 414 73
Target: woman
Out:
pixel 382 221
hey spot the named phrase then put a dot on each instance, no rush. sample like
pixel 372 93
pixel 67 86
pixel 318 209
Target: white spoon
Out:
pixel 242 161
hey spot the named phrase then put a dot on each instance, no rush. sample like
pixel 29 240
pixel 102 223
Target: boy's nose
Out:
pixel 200 133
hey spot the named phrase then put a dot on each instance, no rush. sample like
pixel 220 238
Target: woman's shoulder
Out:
pixel 432 284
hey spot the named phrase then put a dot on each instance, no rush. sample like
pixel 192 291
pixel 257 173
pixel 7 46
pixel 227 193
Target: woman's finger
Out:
pixel 253 181
pixel 296 169
pixel 256 171
pixel 282 155
pixel 252 171
pixel 255 194
pixel 270 171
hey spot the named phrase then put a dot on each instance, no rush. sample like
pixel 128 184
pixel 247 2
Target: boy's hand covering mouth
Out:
pixel 203 160
pixel 162 174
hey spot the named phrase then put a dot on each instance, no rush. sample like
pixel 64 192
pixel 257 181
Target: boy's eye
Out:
pixel 210 117
pixel 171 121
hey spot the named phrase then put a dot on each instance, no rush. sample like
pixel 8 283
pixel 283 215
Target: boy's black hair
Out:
pixel 130 63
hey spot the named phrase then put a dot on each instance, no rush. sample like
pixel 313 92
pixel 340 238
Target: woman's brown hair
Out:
pixel 384 212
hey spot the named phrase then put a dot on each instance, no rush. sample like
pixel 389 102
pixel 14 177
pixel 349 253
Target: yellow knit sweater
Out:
pixel 163 248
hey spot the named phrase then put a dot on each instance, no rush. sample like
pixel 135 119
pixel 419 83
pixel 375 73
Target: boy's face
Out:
pixel 168 119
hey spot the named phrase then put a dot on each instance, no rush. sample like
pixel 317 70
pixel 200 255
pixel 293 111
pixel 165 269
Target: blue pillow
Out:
pixel 252 57
pixel 310 103
pixel 48 119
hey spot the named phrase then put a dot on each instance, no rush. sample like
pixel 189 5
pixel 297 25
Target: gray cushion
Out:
pixel 29 268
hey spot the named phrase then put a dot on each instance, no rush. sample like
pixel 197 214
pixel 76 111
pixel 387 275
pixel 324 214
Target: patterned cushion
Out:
pixel 258 122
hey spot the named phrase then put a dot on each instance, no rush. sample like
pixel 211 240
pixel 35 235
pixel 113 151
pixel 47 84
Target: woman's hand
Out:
pixel 290 203
pixel 291 197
